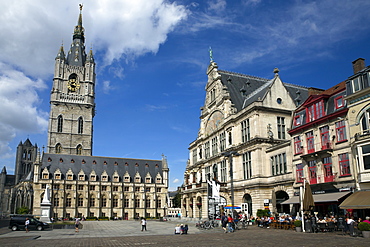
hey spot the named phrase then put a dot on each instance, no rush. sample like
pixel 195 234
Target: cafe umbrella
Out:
pixel 231 207
pixel 308 202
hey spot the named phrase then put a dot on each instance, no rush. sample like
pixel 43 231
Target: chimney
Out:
pixel 358 64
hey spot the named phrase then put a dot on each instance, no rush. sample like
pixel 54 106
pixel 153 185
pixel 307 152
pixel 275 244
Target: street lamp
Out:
pixel 230 155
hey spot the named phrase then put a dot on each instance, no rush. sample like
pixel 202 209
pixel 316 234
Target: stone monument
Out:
pixel 46 206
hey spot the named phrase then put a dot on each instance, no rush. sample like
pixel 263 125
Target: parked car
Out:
pixel 17 223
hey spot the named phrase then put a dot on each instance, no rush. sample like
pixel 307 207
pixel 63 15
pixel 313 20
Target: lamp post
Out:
pixel 301 195
pixel 230 155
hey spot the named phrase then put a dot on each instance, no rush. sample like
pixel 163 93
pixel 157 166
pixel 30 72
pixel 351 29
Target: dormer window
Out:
pixel 45 175
pixel 158 180
pixel 115 178
pixel 127 179
pixel 69 177
pixel 81 177
pixel 137 179
pixel 357 84
pixel 92 178
pixel 147 180
pixel 104 178
pixel 57 176
pixel 339 102
pixel 315 111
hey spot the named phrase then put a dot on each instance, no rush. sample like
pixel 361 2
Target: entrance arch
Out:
pixel 247 205
pixel 282 196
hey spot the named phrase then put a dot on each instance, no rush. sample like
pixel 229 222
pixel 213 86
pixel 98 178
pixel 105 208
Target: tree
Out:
pixel 177 200
pixel 22 210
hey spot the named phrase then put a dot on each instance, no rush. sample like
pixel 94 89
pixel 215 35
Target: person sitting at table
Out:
pixel 281 218
pixel 367 219
pixel 321 220
pixel 267 222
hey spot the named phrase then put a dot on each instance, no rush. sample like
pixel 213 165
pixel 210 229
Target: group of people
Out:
pixel 227 223
pixel 181 229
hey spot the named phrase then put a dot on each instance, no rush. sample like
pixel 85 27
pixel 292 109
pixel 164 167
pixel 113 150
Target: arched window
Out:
pixel 58 148
pixel 60 124
pixel 365 121
pixel 79 149
pixel 80 125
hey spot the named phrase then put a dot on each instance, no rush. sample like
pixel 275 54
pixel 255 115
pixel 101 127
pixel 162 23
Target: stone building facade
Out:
pixel 358 95
pixel 92 186
pixel 247 117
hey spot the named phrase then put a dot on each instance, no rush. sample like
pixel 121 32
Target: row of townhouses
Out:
pixel 260 139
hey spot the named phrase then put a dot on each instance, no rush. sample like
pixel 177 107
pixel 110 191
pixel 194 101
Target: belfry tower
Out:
pixel 72 100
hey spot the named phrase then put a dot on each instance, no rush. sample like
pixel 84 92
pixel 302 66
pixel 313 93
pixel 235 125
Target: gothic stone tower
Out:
pixel 72 100
pixel 26 156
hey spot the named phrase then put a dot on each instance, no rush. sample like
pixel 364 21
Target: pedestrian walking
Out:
pixel 230 223
pixel 224 222
pixel 77 224
pixel 143 224
pixel 26 224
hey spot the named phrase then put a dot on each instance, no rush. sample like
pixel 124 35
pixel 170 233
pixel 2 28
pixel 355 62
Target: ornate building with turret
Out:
pixel 242 145
pixel 82 185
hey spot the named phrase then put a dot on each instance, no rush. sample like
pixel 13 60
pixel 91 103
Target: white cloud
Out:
pixel 155 107
pixel 128 29
pixel 217 6
pixel 176 181
pixel 18 103
pixel 251 2
pixel 107 87
pixel 33 31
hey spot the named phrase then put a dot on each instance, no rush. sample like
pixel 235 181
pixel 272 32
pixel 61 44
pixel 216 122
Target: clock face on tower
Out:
pixel 73 85
pixel 214 122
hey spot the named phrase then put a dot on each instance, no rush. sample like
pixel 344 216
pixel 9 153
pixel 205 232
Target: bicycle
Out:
pixel 241 225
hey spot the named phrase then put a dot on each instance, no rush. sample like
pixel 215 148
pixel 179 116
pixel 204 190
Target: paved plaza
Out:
pixel 128 233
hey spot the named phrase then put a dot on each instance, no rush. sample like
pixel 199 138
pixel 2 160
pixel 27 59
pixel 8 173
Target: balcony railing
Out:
pixel 362 135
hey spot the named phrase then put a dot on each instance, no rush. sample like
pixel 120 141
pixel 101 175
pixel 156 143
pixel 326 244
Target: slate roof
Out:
pixel 121 165
pixel 246 89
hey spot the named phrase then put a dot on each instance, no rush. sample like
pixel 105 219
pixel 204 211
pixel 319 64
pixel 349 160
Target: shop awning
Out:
pixel 358 200
pixel 330 197
pixel 293 200
pixel 326 197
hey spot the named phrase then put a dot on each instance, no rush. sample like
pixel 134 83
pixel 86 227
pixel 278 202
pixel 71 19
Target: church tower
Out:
pixel 72 100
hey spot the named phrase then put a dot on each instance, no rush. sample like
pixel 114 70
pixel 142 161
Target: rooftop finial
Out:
pixel 210 54
pixel 81 6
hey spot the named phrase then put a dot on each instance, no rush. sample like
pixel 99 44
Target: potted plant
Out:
pixel 298 225
pixel 364 228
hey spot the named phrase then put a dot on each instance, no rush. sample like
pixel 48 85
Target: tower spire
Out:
pixel 79 30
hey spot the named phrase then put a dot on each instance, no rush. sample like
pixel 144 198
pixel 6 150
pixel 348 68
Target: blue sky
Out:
pixel 152 58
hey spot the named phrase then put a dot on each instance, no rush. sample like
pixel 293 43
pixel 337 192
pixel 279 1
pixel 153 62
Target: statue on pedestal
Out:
pixel 46 206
